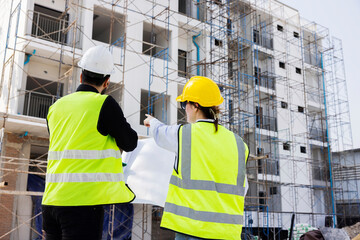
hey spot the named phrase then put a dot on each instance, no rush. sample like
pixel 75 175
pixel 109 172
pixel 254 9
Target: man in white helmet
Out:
pixel 87 130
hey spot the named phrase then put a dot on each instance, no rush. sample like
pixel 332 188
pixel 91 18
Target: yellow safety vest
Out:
pixel 207 187
pixel 84 167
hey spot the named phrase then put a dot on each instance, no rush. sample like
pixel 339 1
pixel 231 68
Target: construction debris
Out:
pixel 353 231
pixel 334 234
pixel 300 229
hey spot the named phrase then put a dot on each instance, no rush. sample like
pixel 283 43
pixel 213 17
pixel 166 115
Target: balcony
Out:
pixel 321 173
pixel 265 80
pixel 312 58
pixel 37 104
pixel 54 29
pixel 315 97
pixel 264 40
pixel 38 96
pixel 193 9
pixel 317 134
pixel 268 166
pixel 266 122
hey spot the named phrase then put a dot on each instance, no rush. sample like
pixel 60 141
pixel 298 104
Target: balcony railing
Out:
pixel 266 122
pixel 54 29
pixel 268 166
pixel 37 104
pixel 266 81
pixel 318 134
pixel 321 173
pixel 192 9
pixel 264 40
pixel 315 96
pixel 312 58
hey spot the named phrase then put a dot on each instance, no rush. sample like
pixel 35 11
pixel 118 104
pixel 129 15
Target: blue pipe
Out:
pixel 197 53
pixel 328 145
pixel 28 57
pixel 198 10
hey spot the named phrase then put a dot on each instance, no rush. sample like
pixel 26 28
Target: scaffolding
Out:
pixel 282 78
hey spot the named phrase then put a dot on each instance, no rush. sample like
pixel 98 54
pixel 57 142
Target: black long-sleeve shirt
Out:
pixel 112 122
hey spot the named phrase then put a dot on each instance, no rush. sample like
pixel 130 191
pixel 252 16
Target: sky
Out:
pixel 343 20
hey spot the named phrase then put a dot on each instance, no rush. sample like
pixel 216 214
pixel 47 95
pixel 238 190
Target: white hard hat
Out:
pixel 97 59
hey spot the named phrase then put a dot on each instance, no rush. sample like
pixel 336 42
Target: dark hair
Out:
pixel 210 113
pixel 93 78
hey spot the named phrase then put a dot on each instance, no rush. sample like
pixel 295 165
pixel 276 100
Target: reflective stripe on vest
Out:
pixel 187 183
pixel 204 216
pixel 83 154
pixel 84 177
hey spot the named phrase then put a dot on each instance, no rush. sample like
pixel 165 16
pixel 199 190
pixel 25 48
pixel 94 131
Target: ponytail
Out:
pixel 214 112
pixel 211 113
pixel 216 123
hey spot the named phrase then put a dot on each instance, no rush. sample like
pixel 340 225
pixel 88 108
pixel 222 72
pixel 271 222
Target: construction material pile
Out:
pixel 353 230
pixel 300 229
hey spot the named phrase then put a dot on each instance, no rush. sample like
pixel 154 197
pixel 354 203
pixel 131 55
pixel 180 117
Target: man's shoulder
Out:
pixel 110 101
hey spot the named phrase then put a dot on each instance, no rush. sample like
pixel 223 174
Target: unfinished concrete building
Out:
pixel 282 78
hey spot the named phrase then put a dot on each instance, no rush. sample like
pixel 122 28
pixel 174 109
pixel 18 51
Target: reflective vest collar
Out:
pixel 86 88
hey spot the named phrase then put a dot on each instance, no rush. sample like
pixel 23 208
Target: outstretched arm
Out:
pixel 166 136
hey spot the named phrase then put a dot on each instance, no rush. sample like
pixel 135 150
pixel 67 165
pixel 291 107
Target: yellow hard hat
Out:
pixel 202 90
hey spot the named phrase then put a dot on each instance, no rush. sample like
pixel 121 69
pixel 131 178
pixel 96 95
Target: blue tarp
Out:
pixel 123 219
pixel 123 216
pixel 36 184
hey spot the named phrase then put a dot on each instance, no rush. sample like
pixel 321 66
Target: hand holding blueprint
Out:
pixel 148 172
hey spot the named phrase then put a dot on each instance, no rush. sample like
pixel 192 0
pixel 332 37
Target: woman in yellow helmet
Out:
pixel 207 188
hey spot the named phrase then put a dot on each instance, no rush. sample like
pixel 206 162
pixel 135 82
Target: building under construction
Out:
pixel 282 78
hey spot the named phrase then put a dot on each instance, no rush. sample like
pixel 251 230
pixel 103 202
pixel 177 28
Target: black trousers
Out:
pixel 70 223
